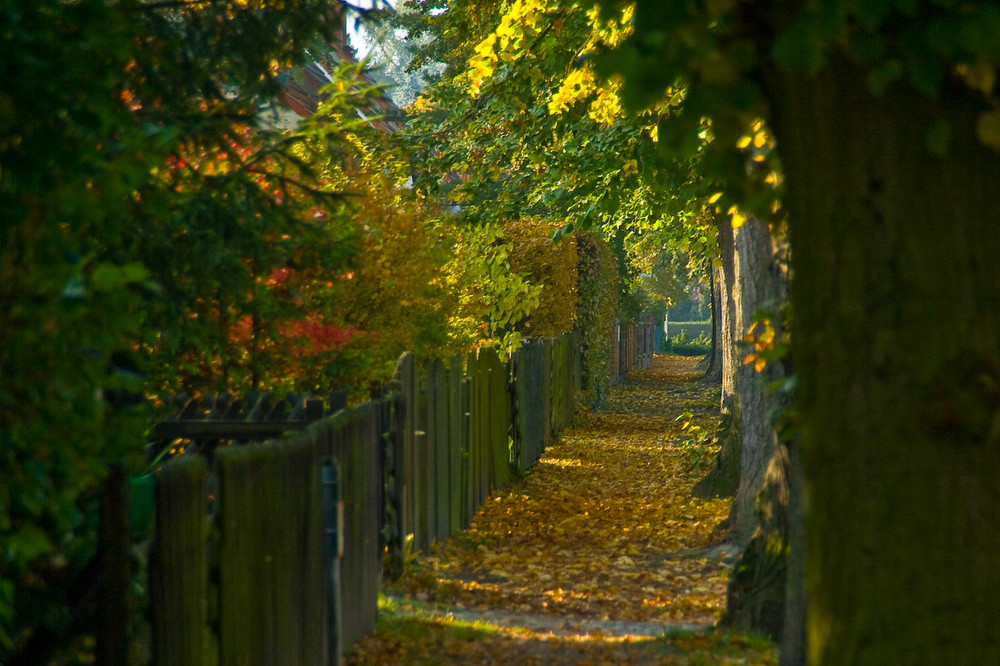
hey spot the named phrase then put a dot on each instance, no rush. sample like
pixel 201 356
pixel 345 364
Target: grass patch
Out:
pixel 414 632
pixel 707 648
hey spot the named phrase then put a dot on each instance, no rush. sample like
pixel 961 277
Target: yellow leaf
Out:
pixel 715 197
pixel 738 217
pixel 767 335
pixel 981 75
pixel 988 129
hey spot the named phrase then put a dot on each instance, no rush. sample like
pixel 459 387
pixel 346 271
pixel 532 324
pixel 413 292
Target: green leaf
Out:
pixel 938 138
pixel 980 33
pixel 883 75
pixel 924 67
pixel 108 276
pixel 800 47
pixel 28 543
pixel 142 493
pixel 944 34
pixel 871 13
pixel 867 47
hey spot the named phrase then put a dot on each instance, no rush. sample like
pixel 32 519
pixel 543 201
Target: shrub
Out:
pixel 597 307
pixel 680 345
pixel 551 265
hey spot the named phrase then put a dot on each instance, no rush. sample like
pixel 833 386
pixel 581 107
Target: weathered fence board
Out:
pixel 631 349
pixel 405 379
pixel 354 445
pixel 457 427
pixel 442 443
pixel 396 408
pixel 561 398
pixel 426 463
pixel 532 422
pixel 178 566
pixel 498 421
pixel 271 555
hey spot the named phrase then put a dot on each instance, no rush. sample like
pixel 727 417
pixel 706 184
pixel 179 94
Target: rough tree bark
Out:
pixel 713 362
pixel 760 514
pixel 723 479
pixel 760 283
pixel 897 346
pixel 752 277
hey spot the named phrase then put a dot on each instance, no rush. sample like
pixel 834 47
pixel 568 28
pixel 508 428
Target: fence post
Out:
pixel 178 563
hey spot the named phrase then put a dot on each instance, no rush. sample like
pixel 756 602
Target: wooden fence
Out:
pixel 272 552
pixel 632 347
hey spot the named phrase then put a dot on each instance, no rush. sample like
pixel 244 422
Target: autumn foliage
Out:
pixel 550 264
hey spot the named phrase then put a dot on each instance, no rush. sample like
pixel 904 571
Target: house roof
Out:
pixel 300 90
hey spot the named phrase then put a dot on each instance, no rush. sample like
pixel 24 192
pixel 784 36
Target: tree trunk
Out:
pixel 793 645
pixel 723 479
pixel 752 278
pixel 713 362
pixel 759 518
pixel 760 282
pixel 756 595
pixel 897 345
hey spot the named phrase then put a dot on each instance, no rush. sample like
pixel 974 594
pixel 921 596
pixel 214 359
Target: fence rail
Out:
pixel 272 552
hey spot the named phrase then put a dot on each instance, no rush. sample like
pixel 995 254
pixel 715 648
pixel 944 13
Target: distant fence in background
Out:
pixel 632 348
pixel 272 552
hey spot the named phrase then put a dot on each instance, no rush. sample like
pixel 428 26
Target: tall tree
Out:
pixel 886 123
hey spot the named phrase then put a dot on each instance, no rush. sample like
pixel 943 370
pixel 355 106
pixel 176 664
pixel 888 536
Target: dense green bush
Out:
pixel 682 346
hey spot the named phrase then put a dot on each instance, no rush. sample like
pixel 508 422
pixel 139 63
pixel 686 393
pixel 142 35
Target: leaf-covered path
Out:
pixel 592 558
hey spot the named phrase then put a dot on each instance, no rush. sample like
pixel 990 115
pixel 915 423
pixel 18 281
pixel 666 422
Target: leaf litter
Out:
pixel 599 555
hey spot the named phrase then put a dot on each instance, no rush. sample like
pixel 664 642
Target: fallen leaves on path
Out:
pixel 603 530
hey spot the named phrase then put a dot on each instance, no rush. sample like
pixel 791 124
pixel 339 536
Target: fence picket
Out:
pixel 442 442
pixel 456 444
pixel 271 560
pixel 498 420
pixel 178 566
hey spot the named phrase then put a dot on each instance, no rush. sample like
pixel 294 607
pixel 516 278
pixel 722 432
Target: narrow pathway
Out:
pixel 592 558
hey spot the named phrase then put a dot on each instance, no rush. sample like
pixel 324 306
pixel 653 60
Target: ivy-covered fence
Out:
pixel 273 552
